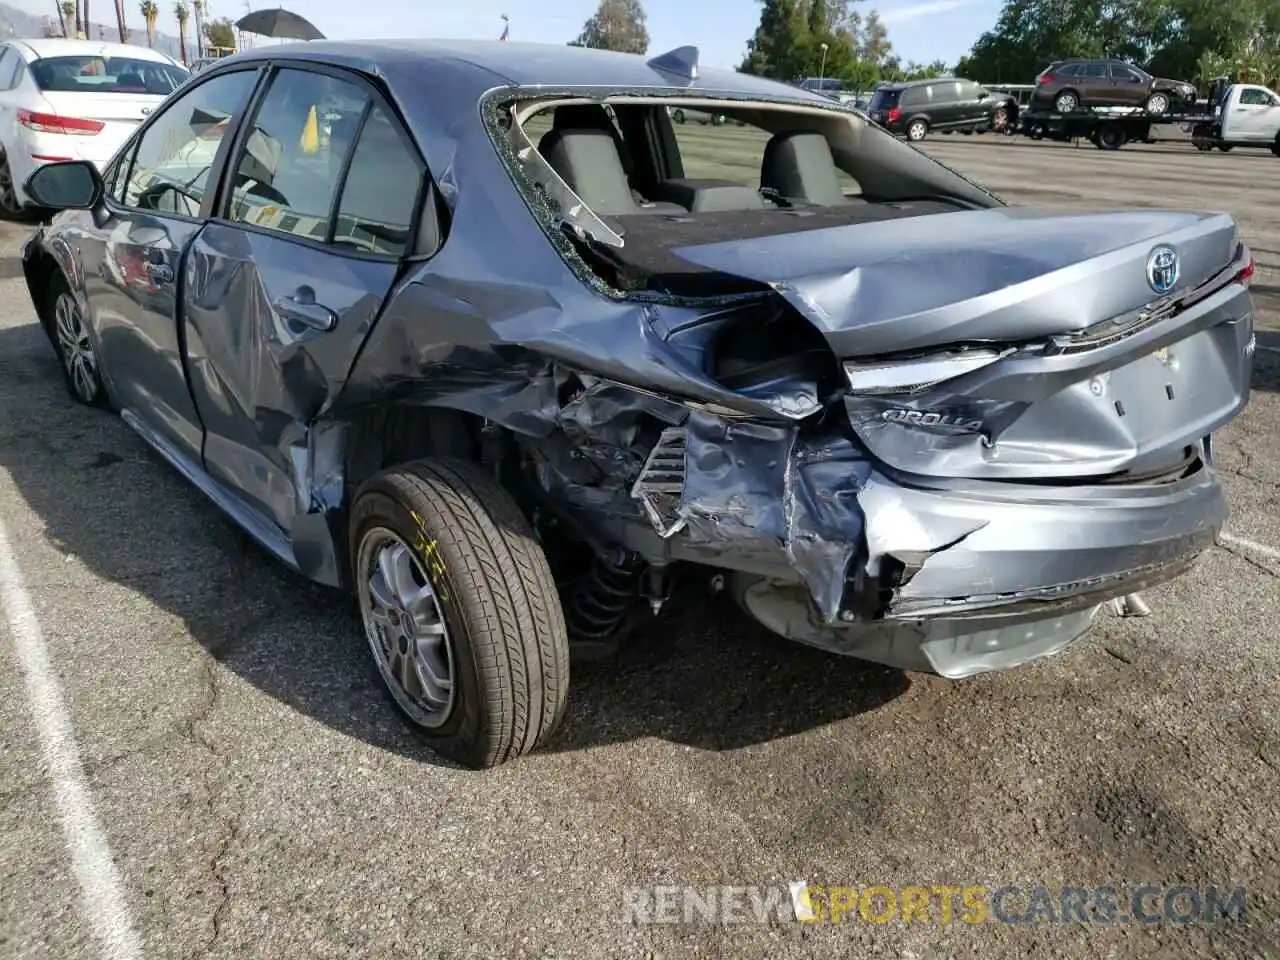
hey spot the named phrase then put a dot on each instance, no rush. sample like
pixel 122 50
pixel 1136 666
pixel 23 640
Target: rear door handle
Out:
pixel 302 307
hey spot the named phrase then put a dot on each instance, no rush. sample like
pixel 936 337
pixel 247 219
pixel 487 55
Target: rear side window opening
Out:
pixel 884 99
pixel 629 185
pixel 93 74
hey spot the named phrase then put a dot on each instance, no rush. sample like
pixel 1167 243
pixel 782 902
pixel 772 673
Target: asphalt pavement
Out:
pixel 198 739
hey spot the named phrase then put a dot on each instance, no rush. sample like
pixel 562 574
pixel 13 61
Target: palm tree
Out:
pixel 68 9
pixel 181 11
pixel 197 7
pixel 88 24
pixel 150 13
pixel 124 31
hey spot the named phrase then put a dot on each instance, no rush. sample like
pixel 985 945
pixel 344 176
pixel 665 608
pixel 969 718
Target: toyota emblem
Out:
pixel 1162 269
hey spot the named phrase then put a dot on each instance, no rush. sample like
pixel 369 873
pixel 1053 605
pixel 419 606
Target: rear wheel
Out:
pixel 677 116
pixel 1225 147
pixel 917 130
pixel 1110 137
pixel 460 610
pixel 1066 102
pixel 10 208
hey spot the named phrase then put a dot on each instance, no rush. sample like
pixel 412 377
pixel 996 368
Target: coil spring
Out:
pixel 600 601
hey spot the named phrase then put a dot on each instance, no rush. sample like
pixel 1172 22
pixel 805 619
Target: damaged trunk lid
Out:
pixel 1022 344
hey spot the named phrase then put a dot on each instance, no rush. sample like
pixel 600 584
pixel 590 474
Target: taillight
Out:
pixel 52 123
pixel 1246 274
pixel 894 114
pixel 1044 78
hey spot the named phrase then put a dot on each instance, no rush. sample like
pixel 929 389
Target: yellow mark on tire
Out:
pixel 428 548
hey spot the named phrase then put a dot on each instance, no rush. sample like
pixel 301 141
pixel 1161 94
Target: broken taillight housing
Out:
pixel 1246 272
pixel 917 374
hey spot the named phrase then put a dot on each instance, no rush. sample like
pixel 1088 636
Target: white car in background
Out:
pixel 72 100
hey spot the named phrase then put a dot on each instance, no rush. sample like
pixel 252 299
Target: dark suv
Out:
pixel 1070 85
pixel 943 103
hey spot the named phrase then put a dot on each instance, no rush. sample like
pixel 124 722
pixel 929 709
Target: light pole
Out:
pixel 822 68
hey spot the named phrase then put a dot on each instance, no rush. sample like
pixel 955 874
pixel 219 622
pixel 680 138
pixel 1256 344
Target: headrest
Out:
pixel 581 116
pixel 799 166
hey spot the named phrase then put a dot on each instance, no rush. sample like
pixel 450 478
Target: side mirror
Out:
pixel 983 95
pixel 69 185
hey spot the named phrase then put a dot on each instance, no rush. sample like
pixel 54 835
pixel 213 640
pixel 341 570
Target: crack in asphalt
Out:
pixel 196 732
pixel 1243 555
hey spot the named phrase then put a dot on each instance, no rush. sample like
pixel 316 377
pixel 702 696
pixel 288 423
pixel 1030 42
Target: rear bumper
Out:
pixel 1044 551
pixel 1024 583
pixel 34 150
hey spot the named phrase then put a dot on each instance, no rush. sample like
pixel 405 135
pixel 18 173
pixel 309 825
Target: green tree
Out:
pixel 220 32
pixel 1169 37
pixel 800 38
pixel 616 25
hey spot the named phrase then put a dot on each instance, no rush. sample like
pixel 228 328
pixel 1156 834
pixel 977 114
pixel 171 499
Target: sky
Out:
pixel 921 30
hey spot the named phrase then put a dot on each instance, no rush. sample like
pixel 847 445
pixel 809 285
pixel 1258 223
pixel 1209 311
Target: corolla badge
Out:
pixel 1162 269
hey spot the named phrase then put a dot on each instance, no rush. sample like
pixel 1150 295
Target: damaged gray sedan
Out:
pixel 464 329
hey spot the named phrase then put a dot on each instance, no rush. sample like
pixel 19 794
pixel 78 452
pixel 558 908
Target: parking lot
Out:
pixel 260 798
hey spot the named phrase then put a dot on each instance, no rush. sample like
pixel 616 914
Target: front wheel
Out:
pixel 73 345
pixel 460 610
pixel 1157 104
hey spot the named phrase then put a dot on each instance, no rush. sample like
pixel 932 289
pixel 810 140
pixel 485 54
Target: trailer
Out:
pixel 1107 128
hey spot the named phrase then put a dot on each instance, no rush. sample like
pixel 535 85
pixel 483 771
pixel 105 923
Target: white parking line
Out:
pixel 1271 553
pixel 100 881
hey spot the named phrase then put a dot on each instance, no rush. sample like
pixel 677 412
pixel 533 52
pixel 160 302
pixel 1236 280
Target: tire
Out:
pixel 1158 104
pixel 1225 147
pixel 459 547
pixel 1068 101
pixel 1110 138
pixel 917 130
pixel 10 208
pixel 1000 118
pixel 76 352
pixel 677 116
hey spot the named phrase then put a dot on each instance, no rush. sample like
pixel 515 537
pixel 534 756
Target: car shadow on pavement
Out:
pixel 708 678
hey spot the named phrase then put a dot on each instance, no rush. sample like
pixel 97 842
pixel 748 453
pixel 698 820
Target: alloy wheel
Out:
pixel 405 626
pixel 917 130
pixel 78 357
pixel 1158 103
pixel 1066 102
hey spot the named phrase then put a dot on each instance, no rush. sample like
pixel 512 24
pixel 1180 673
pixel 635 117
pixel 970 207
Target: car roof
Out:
pixel 490 63
pixel 903 84
pixel 39 48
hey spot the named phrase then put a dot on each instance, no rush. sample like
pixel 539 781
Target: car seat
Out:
pixel 798 166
